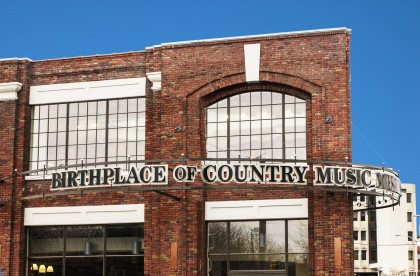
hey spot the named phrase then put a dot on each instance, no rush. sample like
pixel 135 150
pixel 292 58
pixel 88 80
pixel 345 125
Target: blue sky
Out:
pixel 385 50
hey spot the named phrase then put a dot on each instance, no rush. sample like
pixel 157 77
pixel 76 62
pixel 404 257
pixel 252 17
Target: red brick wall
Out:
pixel 313 66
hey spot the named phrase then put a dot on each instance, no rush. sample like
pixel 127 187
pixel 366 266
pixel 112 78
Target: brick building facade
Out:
pixel 177 88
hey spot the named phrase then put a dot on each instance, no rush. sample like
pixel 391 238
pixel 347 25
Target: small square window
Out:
pixel 410 255
pixel 409 216
pixel 410 235
pixel 408 197
pixel 355 235
pixel 364 254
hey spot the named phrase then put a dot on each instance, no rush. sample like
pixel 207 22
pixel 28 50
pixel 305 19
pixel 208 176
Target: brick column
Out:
pixel 8 121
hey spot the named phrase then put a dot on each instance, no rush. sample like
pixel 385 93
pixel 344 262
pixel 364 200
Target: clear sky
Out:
pixel 385 50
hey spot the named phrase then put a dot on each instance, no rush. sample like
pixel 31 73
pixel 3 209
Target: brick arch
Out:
pixel 216 90
pixel 283 80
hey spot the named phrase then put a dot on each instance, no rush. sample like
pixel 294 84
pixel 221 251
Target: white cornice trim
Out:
pixel 82 215
pixel 156 79
pixel 9 90
pixel 87 91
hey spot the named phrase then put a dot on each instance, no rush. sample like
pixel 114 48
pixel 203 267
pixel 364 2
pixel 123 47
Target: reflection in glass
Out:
pixel 46 241
pixel 249 117
pixel 298 236
pixel 245 246
pixel 84 240
pixel 79 249
pixel 73 126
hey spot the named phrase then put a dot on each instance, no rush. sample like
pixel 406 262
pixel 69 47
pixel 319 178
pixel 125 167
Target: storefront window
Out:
pixel 97 131
pixel 86 250
pixel 272 246
pixel 259 124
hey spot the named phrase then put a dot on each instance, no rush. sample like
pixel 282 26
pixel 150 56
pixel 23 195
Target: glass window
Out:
pixel 363 235
pixel 409 216
pixel 240 246
pixel 79 249
pixel 259 124
pixel 355 235
pixel 410 236
pixel 408 197
pixel 356 255
pixel 410 255
pixel 362 216
pixel 355 216
pixel 364 254
pixel 87 132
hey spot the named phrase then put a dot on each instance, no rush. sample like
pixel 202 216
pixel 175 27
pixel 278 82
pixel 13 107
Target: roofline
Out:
pixel 15 58
pixel 211 40
pixel 306 32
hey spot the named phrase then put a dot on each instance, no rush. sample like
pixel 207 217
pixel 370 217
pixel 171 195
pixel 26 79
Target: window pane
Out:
pixel 289 111
pixel 217 232
pixel 46 241
pixel 43 126
pixel 235 114
pixel 84 240
pixel 43 111
pixel 244 236
pixel 102 107
pixel 86 266
pixel 82 123
pixel 92 108
pixel 62 124
pixel 266 98
pixel 132 105
pixel 73 123
pixel 62 110
pixel 256 98
pixel 122 106
pixel 300 110
pixel 125 239
pixel 222 115
pixel 260 115
pixel 245 99
pixel 245 127
pixel 82 109
pixel 256 113
pixel 298 236
pixel 133 266
pixel 222 129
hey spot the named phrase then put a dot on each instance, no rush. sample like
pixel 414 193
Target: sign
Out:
pixel 265 173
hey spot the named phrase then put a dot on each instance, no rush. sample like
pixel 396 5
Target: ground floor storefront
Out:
pixel 243 237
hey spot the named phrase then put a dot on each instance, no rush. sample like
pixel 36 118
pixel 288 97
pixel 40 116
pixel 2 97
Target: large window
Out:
pixel 89 132
pixel 258 247
pixel 86 250
pixel 259 124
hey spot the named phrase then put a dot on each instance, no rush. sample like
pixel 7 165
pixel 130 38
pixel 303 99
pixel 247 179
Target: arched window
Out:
pixel 258 124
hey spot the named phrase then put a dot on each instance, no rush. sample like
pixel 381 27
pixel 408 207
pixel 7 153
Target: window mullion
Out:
pixel 228 130
pixel 66 158
pixel 283 126
pixel 106 131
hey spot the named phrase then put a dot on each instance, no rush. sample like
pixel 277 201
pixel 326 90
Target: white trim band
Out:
pixel 87 91
pixel 9 90
pixel 257 209
pixel 82 215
